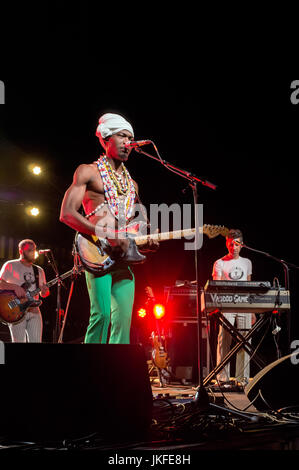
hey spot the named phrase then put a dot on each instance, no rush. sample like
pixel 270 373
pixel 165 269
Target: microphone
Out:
pixel 41 252
pixel 137 143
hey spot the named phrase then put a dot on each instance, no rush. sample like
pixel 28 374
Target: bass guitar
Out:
pixel 13 309
pixel 96 254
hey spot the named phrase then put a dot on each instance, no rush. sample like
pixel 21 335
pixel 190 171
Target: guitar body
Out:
pixel 13 309
pixel 160 357
pixel 96 254
pixel 15 314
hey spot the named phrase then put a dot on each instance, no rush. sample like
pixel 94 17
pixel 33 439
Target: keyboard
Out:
pixel 244 297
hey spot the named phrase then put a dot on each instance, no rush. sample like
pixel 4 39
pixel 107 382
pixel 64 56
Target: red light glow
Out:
pixel 159 311
pixel 142 312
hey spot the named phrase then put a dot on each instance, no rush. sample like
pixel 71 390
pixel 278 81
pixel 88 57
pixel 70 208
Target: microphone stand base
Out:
pixel 201 399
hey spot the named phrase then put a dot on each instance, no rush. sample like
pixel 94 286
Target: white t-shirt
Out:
pixel 16 272
pixel 232 269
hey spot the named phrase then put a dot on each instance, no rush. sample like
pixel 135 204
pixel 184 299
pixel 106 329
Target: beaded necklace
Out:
pixel 117 192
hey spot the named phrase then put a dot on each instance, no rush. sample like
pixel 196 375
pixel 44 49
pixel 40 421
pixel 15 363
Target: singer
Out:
pixel 28 276
pixel 100 187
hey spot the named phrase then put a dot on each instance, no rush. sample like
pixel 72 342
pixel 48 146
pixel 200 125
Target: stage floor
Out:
pixel 174 420
pixel 232 399
pixel 266 430
pixel 218 433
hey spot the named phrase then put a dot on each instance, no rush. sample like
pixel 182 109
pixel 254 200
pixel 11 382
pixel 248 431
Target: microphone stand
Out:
pixel 286 267
pixel 201 398
pixel 58 298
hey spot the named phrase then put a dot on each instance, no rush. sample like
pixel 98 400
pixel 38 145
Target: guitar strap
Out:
pixel 141 209
pixel 36 275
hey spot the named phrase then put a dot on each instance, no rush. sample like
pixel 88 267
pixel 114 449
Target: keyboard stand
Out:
pixel 241 342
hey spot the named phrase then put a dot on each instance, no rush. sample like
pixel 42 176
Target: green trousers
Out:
pixel 111 304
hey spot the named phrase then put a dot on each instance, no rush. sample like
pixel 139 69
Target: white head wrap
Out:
pixel 110 124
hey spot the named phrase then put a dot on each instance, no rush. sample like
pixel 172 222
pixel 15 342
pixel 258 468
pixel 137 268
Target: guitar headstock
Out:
pixel 212 231
pixel 149 293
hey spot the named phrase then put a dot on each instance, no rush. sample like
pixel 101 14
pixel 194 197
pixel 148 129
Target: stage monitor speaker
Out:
pixel 182 348
pixel 57 391
pixel 276 386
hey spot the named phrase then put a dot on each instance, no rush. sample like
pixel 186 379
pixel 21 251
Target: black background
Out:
pixel 231 123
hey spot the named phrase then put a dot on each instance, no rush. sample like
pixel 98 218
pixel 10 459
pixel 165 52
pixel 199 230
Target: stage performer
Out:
pixel 23 275
pixel 233 267
pixel 103 187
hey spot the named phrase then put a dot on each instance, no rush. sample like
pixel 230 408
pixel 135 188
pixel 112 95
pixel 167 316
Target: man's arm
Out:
pixel 72 201
pixel 217 271
pixel 249 270
pixel 18 290
pixel 45 291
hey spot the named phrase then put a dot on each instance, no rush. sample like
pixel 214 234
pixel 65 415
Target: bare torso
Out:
pixel 94 196
pixel 87 189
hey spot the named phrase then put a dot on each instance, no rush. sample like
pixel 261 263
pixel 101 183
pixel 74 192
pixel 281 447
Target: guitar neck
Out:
pixel 160 237
pixel 61 277
pixel 53 281
pixel 211 230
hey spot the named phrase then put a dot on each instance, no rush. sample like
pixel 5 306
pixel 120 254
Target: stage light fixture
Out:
pixel 159 311
pixel 36 170
pixel 34 211
pixel 141 312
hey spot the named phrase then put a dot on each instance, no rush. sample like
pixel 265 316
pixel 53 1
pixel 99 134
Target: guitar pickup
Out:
pixel 13 303
pixel 99 247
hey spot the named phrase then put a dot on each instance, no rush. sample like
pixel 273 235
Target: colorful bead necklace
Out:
pixel 117 192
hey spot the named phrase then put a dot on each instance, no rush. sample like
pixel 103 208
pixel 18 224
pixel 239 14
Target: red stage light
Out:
pixel 159 311
pixel 141 312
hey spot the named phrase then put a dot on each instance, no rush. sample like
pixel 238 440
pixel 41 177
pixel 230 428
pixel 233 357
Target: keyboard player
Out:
pixel 233 267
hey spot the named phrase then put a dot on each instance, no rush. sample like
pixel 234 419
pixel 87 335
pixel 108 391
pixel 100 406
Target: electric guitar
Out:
pixel 13 309
pixel 96 254
pixel 159 354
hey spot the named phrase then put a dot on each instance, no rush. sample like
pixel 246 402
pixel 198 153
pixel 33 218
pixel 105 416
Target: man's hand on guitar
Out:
pixel 150 245
pixel 118 245
pixel 19 291
pixel 44 291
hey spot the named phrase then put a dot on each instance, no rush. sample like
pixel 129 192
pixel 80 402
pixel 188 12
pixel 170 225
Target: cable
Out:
pixel 276 411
